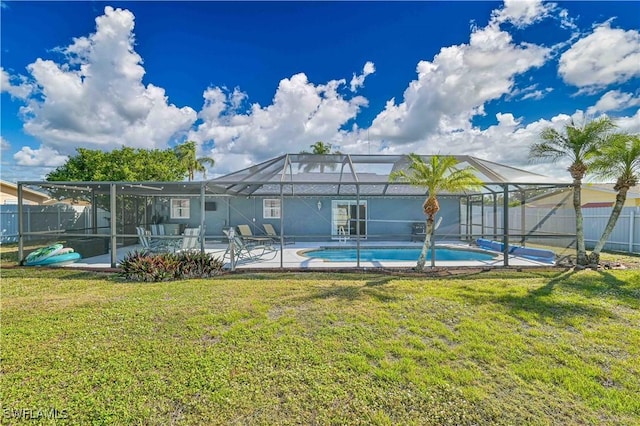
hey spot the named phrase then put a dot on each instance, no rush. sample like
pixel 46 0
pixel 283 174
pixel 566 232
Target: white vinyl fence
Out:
pixel 59 217
pixel 626 234
pixel 548 221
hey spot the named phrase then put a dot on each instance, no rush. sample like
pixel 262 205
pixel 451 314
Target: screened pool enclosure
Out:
pixel 335 199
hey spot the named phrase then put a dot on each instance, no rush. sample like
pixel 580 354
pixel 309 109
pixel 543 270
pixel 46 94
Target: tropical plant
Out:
pixel 579 145
pixel 619 159
pixel 310 162
pixel 437 175
pixel 186 152
pixel 153 267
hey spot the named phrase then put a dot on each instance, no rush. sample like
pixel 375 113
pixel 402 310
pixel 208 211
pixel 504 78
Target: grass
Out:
pixel 487 348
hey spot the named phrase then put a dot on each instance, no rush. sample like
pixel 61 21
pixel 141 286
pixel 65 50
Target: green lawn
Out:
pixel 485 348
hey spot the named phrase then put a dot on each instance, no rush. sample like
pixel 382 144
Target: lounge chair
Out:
pixel 252 251
pixel 246 234
pixel 271 232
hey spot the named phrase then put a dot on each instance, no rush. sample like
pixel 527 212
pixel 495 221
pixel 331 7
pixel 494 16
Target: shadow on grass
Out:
pixel 351 293
pixel 560 298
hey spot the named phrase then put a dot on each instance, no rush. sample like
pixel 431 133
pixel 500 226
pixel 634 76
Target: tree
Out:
pixel 438 175
pixel 579 145
pixel 619 159
pixel 309 162
pixel 186 152
pixel 120 165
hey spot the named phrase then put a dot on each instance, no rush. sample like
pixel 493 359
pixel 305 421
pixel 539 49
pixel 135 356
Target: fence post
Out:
pixel 632 220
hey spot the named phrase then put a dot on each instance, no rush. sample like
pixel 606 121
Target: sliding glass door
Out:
pixel 347 218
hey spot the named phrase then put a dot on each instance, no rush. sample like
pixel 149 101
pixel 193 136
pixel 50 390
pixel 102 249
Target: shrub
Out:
pixel 152 267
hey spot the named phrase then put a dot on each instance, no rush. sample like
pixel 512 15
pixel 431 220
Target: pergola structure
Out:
pixel 290 178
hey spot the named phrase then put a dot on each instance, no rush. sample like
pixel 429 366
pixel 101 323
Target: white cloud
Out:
pixel 301 113
pixel 358 81
pixel 43 156
pixel 97 99
pixel 537 94
pixel 606 56
pixel 21 90
pixel 522 13
pixel 455 86
pixel 4 144
pixel 614 100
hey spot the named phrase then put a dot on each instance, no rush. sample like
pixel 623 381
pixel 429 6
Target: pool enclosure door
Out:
pixel 346 219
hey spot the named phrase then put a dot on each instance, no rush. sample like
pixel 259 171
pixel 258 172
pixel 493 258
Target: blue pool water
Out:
pixel 393 254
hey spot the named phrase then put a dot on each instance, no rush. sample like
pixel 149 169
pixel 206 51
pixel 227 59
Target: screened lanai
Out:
pixel 336 199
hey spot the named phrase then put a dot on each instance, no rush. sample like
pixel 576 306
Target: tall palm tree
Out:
pixel 579 145
pixel 187 154
pixel 438 175
pixel 318 148
pixel 619 159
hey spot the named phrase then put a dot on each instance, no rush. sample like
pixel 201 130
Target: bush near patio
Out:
pixel 150 267
pixel 507 347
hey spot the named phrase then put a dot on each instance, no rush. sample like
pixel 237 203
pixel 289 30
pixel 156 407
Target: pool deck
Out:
pixel 291 257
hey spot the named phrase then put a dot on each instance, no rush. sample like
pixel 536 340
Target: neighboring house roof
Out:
pixel 9 191
pixel 633 193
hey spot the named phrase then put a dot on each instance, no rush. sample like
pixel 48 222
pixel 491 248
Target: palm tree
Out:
pixel 187 154
pixel 619 159
pixel 579 145
pixel 438 175
pixel 318 148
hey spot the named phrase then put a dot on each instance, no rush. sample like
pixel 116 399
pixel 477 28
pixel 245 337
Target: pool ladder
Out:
pixel 342 235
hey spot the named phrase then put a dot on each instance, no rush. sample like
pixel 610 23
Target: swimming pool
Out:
pixel 394 254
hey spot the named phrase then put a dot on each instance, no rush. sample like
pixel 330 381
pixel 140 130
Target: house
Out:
pixel 334 197
pixel 9 194
pixel 592 195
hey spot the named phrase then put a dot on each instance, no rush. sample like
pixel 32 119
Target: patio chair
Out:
pixel 271 232
pixel 189 240
pixel 148 244
pixel 251 252
pixel 157 229
pixel 246 234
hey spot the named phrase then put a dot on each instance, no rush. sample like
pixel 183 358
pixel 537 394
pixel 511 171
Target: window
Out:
pixel 271 208
pixel 180 208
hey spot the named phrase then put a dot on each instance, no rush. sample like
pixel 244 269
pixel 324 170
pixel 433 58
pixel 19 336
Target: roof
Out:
pixel 633 192
pixel 310 175
pixel 344 174
pixel 14 187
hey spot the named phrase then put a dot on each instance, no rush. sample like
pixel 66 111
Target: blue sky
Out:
pixel 251 80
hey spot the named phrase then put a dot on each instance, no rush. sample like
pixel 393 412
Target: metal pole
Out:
pixel 505 225
pixel 112 204
pixel 357 225
pixel 202 213
pixel 232 248
pixel 495 216
pixel 20 225
pixel 523 211
pixel 482 213
pixel 281 226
